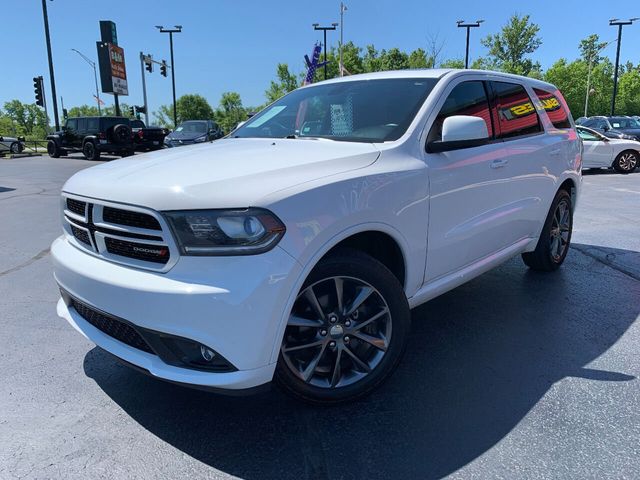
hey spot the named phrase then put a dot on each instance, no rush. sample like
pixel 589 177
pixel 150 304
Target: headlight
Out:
pixel 225 232
pixel 200 139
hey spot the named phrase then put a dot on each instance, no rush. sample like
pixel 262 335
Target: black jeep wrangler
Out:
pixel 92 136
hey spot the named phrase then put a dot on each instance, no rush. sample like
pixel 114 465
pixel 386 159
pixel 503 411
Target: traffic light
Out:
pixel 141 109
pixel 37 88
pixel 131 112
pixel 65 114
pixel 163 68
pixel 148 63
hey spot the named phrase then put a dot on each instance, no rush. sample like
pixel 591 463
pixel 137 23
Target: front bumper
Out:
pixel 235 305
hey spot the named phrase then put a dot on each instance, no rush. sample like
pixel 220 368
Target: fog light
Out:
pixel 207 353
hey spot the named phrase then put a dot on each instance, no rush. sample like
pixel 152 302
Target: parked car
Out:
pixel 602 152
pixel 92 136
pixel 147 138
pixel 620 127
pixel 11 144
pixel 295 249
pixel 193 131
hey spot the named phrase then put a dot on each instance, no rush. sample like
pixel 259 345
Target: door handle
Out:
pixel 499 163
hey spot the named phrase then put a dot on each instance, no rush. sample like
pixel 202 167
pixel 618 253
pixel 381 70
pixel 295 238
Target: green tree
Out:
pixel 286 82
pixel 83 111
pixel 590 48
pixel 230 112
pixel 509 48
pixel 452 63
pixel 418 59
pixel 188 107
pixel 26 119
pixel 628 100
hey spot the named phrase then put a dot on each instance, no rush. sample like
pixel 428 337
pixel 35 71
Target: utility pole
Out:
pixel 316 26
pixel 95 76
pixel 177 29
pixel 144 87
pixel 51 75
pixel 468 26
pixel 619 24
pixel 343 8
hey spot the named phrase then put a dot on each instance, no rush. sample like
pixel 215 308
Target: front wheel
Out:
pixel 626 162
pixel 555 238
pixel 15 147
pixel 90 151
pixel 346 332
pixel 52 149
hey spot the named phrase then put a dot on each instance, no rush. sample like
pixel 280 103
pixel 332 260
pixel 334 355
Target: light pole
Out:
pixel 343 8
pixel 618 23
pixel 51 75
pixel 586 100
pixel 316 26
pixel 177 29
pixel 468 26
pixel 95 76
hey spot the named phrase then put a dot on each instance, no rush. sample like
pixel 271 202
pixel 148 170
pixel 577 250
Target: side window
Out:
pixel 82 124
pixel 516 114
pixel 557 113
pixel 92 124
pixel 588 136
pixel 72 125
pixel 467 98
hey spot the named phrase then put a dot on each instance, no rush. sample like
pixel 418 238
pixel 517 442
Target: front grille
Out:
pixel 111 326
pixel 130 218
pixel 139 251
pixel 81 235
pixel 76 206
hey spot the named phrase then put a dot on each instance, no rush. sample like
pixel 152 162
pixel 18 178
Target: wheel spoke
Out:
pixel 379 343
pixel 362 295
pixel 339 291
pixel 337 369
pixel 555 247
pixel 364 366
pixel 303 346
pixel 311 368
pixel 364 323
pixel 310 295
pixel 296 321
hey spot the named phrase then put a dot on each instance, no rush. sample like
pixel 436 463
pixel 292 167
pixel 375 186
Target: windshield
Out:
pixel 192 127
pixel 621 122
pixel 353 111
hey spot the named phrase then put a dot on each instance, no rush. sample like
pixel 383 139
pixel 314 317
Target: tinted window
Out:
pixel 557 114
pixel 72 124
pixel 516 114
pixel 355 111
pixel 467 98
pixel 93 124
pixel 82 124
pixel 585 135
pixel 623 122
pixel 108 122
pixel 595 123
pixel 192 127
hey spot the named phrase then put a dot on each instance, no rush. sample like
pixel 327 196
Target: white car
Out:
pixel 602 152
pixel 295 249
pixel 11 144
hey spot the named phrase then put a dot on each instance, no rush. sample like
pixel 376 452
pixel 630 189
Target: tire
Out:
pixel 52 149
pixel 15 147
pixel 128 153
pixel 90 151
pixel 549 255
pixel 121 134
pixel 367 351
pixel 626 162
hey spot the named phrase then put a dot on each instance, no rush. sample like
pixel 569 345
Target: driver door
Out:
pixel 598 152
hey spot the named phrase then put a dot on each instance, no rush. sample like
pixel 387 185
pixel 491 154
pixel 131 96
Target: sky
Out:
pixel 235 45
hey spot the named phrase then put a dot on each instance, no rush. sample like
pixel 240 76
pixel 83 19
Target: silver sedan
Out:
pixel 11 144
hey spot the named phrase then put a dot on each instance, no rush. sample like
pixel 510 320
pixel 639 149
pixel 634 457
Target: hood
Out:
pixel 229 173
pixel 184 135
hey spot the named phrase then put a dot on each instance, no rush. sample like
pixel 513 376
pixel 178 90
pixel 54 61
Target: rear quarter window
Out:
pixel 555 109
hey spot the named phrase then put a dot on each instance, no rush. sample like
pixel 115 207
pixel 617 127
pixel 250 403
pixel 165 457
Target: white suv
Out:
pixel 294 249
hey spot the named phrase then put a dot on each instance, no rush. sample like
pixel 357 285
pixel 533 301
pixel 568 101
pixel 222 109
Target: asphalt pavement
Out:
pixel 513 375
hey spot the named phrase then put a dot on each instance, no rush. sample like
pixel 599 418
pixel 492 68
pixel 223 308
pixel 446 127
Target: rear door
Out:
pixel 81 133
pixel 598 152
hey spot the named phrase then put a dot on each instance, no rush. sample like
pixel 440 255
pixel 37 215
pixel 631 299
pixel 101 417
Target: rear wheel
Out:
pixel 90 151
pixel 52 149
pixel 555 238
pixel 626 162
pixel 15 147
pixel 346 332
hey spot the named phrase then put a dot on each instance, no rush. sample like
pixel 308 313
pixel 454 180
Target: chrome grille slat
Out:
pixel 129 235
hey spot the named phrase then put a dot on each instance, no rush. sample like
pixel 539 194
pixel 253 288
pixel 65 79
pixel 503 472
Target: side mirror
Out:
pixel 605 128
pixel 460 131
pixel 1 138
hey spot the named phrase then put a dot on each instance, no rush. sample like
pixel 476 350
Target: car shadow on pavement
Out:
pixel 479 359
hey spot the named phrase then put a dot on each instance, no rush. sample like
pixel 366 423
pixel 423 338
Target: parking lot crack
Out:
pixel 35 258
pixel 605 259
